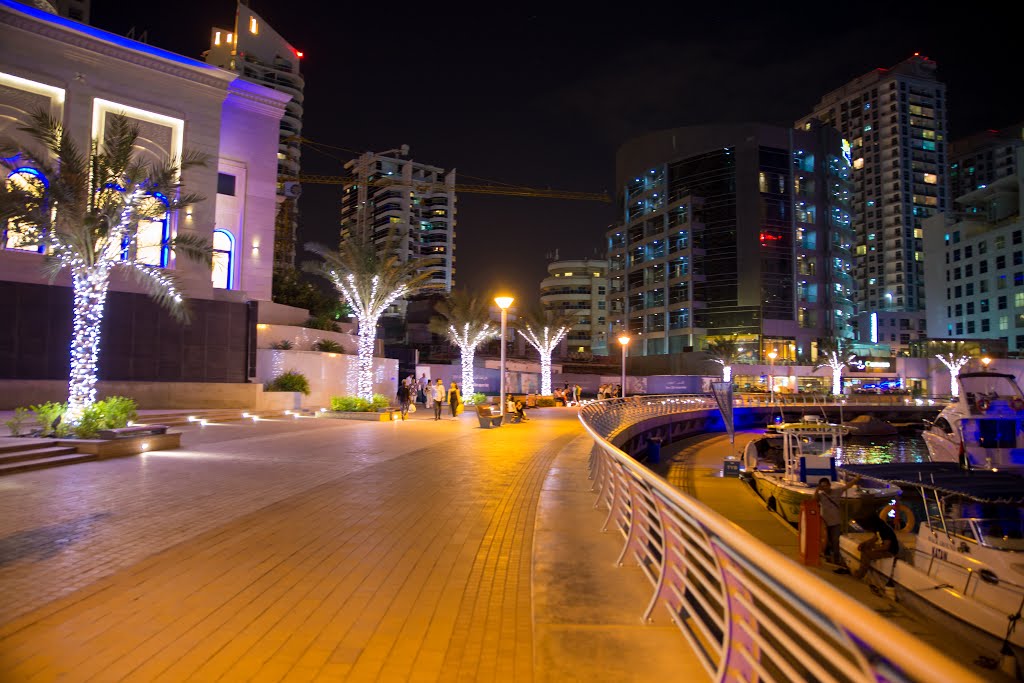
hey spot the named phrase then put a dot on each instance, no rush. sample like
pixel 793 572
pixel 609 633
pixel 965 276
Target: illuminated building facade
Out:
pixel 983 158
pixel 735 231
pixel 895 120
pixel 580 286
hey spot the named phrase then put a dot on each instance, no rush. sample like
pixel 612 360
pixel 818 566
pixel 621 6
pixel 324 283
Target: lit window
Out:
pixel 931 178
pixel 223 258
pixel 152 237
pixel 230 38
pixel 858 163
pixel 216 38
pixel 21 235
pixel 254 28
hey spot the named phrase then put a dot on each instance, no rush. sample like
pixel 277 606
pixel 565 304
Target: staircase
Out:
pixel 180 418
pixel 23 455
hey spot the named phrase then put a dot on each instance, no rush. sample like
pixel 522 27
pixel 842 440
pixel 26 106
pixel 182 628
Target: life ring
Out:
pixel 897 509
pixel 983 405
pixel 1017 404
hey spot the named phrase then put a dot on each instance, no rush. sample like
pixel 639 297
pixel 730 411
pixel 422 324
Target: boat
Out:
pixel 961 556
pixel 982 428
pixel 809 452
pixel 869 425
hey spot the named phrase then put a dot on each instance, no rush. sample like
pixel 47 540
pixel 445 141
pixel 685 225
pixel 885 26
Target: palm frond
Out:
pixel 160 285
pixel 193 247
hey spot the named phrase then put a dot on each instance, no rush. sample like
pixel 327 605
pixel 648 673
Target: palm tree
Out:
pixel 466 321
pixel 951 354
pixel 369 277
pixel 836 354
pixel 544 329
pixel 725 352
pixel 86 209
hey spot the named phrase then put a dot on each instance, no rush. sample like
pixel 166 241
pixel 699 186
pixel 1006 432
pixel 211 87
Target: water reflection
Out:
pixel 873 450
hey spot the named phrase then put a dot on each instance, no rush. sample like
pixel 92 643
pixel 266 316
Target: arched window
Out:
pixel 21 234
pixel 152 240
pixel 223 258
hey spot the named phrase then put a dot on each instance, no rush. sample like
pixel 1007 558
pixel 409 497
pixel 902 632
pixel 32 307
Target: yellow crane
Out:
pixel 509 190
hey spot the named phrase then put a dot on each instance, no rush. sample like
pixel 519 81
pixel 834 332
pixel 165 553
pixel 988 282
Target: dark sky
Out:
pixel 541 97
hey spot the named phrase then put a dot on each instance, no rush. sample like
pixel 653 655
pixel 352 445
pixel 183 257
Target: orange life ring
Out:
pixel 1017 403
pixel 983 405
pixel 896 510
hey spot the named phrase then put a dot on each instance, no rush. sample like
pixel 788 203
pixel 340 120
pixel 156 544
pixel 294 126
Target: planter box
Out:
pixel 116 448
pixel 385 416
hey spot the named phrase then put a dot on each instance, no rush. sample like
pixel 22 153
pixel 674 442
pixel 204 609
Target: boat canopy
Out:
pixel 948 479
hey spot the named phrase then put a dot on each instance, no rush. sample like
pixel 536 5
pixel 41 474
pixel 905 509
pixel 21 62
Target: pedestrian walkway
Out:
pixel 316 549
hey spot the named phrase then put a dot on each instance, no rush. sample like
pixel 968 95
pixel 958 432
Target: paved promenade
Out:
pixel 319 549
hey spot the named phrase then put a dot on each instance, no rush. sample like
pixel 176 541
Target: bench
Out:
pixel 487 417
pixel 134 430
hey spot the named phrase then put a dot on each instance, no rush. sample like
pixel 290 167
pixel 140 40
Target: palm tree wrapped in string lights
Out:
pixel 544 330
pixel 835 354
pixel 85 208
pixel 369 277
pixel 466 322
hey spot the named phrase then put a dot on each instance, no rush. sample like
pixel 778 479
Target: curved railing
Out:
pixel 748 612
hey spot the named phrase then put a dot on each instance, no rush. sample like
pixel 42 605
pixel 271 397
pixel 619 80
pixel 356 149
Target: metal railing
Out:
pixel 748 612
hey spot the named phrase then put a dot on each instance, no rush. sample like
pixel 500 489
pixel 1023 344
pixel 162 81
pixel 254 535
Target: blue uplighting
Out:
pixel 104 35
pixel 32 172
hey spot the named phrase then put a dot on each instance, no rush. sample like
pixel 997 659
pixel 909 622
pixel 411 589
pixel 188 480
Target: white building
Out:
pixel 83 75
pixel 975 266
pixel 895 120
pixel 580 287
pixel 257 53
pixel 389 191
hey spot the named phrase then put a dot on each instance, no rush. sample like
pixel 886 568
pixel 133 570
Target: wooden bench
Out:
pixel 487 417
pixel 134 430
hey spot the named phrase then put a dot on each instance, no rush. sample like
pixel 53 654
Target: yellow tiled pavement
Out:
pixel 320 550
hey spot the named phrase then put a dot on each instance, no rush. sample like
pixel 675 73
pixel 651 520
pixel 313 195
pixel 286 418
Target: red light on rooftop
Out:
pixel 297 53
pixel 917 54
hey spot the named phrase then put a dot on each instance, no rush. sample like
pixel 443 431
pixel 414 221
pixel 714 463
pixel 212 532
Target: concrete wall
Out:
pixel 329 374
pixel 302 338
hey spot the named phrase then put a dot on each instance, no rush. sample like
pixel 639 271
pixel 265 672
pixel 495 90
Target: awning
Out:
pixel 983 486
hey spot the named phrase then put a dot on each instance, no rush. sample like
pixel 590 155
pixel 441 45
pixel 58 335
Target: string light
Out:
pixel 837 364
pixel 545 344
pixel 467 343
pixel 367 308
pixel 953 362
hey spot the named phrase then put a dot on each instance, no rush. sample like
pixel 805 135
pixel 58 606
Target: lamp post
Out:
pixel 772 355
pixel 985 361
pixel 503 303
pixel 624 341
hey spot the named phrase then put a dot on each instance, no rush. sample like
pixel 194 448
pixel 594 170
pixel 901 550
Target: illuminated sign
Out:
pixel 874 328
pixel 847 151
pixel 883 364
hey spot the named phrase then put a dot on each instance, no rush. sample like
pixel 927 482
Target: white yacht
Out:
pixel 982 429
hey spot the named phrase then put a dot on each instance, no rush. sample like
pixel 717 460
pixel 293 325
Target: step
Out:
pixel 17 444
pixel 44 463
pixel 35 454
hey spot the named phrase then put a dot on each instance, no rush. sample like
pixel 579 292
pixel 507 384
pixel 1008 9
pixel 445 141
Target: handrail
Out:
pixel 747 611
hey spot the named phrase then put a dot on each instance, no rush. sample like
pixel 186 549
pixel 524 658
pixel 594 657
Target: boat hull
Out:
pixel 785 498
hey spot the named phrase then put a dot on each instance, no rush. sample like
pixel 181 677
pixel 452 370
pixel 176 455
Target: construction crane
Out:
pixel 508 190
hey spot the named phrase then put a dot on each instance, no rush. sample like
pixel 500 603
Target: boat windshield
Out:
pixel 990 387
pixel 1001 534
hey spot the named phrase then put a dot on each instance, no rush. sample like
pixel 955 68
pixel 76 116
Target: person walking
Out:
pixel 454 399
pixel 404 397
pixel 421 389
pixel 439 395
pixel 829 501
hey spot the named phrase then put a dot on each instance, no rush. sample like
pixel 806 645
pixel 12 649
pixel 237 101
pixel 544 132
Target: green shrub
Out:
pixel 289 381
pixel 321 323
pixel 50 418
pixel 283 345
pixel 545 401
pixel 118 411
pixel 356 404
pixel 476 399
pixel 90 423
pixel 20 420
pixel 328 346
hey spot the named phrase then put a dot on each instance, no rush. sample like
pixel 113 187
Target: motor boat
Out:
pixel 869 425
pixel 961 555
pixel 983 428
pixel 809 451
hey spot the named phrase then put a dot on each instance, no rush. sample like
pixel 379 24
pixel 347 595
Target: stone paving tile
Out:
pixel 315 550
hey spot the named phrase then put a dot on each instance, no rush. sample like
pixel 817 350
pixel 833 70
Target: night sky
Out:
pixel 544 98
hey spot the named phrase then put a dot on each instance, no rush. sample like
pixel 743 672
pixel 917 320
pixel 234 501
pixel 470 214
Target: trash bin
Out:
pixel 731 467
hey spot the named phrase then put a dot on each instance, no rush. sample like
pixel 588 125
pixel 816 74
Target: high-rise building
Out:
pixel 388 191
pixel 981 159
pixel 259 54
pixel 580 287
pixel 895 120
pixel 736 231
pixel 975 265
pixel 77 10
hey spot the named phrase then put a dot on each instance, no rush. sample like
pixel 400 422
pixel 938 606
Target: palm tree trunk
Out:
pixel 364 377
pixel 90 296
pixel 545 372
pixel 468 379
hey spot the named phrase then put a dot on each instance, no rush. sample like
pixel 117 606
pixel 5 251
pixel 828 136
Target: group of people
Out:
pixel 884 542
pixel 609 391
pixel 424 391
pixel 568 396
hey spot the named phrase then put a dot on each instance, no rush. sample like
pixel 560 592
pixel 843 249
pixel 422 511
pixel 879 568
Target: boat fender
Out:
pixel 1017 404
pixel 983 405
pixel 899 509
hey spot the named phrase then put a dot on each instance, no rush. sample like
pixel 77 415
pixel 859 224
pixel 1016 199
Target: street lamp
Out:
pixel 985 361
pixel 772 355
pixel 624 341
pixel 503 303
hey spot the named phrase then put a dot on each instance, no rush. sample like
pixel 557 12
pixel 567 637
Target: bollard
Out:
pixel 810 533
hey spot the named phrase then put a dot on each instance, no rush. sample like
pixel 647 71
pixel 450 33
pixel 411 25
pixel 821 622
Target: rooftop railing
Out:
pixel 748 612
